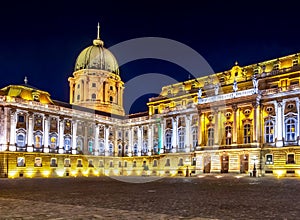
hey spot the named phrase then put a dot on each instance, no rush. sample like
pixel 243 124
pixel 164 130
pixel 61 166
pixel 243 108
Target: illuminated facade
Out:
pixel 229 122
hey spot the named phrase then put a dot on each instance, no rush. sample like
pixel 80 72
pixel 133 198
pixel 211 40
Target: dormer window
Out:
pixel 276 65
pixel 295 60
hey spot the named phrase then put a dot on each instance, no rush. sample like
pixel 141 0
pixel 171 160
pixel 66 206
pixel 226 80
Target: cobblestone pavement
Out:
pixel 209 197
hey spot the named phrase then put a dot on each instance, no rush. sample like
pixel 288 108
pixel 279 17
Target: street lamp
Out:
pixel 254 166
pixel 187 162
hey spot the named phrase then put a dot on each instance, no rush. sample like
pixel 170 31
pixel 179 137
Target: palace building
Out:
pixel 242 120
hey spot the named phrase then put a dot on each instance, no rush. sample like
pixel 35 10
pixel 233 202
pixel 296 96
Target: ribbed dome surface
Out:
pixel 97 57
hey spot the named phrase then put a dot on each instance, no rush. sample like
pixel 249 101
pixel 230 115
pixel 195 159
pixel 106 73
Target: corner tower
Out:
pixel 96 82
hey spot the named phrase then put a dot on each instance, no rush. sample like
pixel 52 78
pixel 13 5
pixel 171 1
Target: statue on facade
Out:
pixel 199 93
pixel 255 84
pixel 235 87
pixel 217 89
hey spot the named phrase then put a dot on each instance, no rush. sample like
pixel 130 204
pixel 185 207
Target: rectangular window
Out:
pixel 79 163
pixel 290 159
pixel 134 164
pixel 125 164
pixel 53 162
pixel 38 162
pixel 93 84
pixel 67 163
pixel 155 163
pixel 194 161
pixel 167 163
pixel 180 163
pixel 101 164
pixel 269 159
pixel 91 163
pixel 21 162
pixel 111 164
pixel 120 164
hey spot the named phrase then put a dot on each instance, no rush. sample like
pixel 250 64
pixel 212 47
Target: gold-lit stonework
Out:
pixel 244 120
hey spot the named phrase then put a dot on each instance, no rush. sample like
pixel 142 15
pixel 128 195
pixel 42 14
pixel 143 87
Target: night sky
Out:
pixel 42 40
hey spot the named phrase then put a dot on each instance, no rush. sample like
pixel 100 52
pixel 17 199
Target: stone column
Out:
pixel 174 134
pixel 74 136
pixel 5 127
pixel 97 129
pixel 161 137
pixel 279 123
pixel 30 133
pixel 234 130
pixel 216 127
pixel 187 137
pixel 46 134
pixel 201 129
pixel 116 146
pixel 106 136
pixel 130 140
pixel 61 136
pixel 71 91
pixel 140 139
pixel 12 139
pixel 298 127
pixel 255 110
pixel 150 139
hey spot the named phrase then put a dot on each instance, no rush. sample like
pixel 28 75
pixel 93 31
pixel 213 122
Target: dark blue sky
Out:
pixel 42 40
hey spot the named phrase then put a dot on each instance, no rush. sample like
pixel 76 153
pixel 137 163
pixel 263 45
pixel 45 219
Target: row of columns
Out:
pixel 218 137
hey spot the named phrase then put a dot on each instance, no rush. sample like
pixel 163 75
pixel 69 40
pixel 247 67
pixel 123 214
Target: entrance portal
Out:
pixel 224 163
pixel 244 163
pixel 207 162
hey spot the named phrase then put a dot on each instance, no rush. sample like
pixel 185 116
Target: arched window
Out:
pixel 168 139
pixel 269 131
pixel 155 147
pixel 111 99
pixel 53 140
pixel 195 136
pixel 120 150
pixel 135 149
pixel 145 147
pixel 211 135
pixel 38 139
pixel 228 135
pixel 78 97
pixel 21 140
pixel 67 143
pixel 247 134
pixel 91 146
pixel 93 96
pixel 181 133
pixel 79 144
pixel 101 147
pixel 290 129
pixel 110 148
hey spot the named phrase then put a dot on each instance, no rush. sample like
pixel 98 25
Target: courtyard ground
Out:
pixel 208 197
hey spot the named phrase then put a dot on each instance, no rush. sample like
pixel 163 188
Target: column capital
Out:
pixel 234 107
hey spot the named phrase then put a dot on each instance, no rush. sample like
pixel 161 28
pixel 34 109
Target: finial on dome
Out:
pixel 98 31
pixel 98 42
pixel 236 63
pixel 25 80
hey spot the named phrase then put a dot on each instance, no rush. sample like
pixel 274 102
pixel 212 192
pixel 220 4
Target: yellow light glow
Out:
pixel 46 173
pixel 74 173
pixel 29 173
pixel 138 172
pixel 12 174
pixel 173 172
pixel 85 173
pixel 218 176
pixel 279 173
pixel 60 173
pixel 238 176
pixel 200 176
pixel 297 172
pixel 106 172
pixel 96 172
